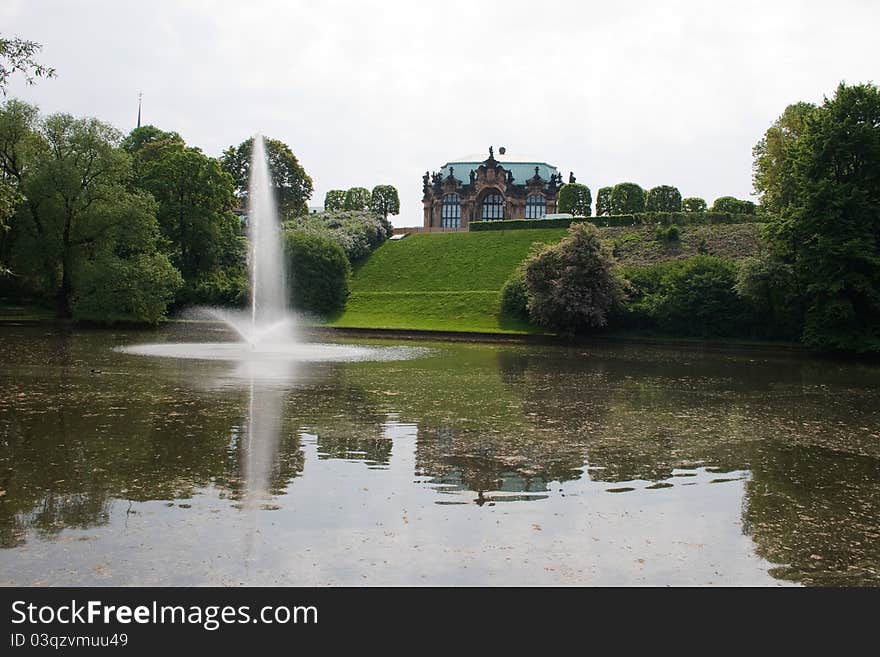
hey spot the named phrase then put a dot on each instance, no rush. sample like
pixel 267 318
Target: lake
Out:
pixel 463 464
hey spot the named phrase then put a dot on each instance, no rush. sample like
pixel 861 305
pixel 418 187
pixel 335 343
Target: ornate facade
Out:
pixel 469 190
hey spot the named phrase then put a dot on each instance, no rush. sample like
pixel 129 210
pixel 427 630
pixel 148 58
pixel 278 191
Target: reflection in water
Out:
pixel 616 465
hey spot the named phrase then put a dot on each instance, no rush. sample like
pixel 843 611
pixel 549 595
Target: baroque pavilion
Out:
pixel 476 189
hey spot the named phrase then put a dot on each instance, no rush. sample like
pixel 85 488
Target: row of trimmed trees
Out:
pixel 630 198
pixel 383 200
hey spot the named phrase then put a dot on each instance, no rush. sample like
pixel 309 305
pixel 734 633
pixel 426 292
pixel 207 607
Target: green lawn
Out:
pixel 451 281
pixel 440 282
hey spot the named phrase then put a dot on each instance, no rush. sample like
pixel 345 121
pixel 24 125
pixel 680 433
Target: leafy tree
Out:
pixel 319 272
pixel 17 56
pixel 146 142
pixel 19 140
pixel 733 205
pixel 831 229
pixel 576 199
pixel 195 197
pixel 79 212
pixel 293 186
pixel 773 168
pixel 334 200
pixel 627 198
pixel 603 201
pixel 571 285
pixel 694 204
pixel 384 201
pixel 357 198
pixel 664 198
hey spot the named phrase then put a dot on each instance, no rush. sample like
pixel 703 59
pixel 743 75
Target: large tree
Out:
pixel 831 226
pixel 17 56
pixel 80 223
pixel 293 186
pixel 773 169
pixel 19 140
pixel 195 198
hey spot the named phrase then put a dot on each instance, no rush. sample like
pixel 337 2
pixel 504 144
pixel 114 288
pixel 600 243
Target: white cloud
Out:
pixel 378 92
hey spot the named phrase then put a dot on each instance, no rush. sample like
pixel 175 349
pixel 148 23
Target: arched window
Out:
pixel 493 206
pixel 450 212
pixel 536 206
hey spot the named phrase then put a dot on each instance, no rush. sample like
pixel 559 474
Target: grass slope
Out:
pixel 452 281
pixel 440 281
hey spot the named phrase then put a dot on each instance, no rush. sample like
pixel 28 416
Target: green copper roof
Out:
pixel 521 167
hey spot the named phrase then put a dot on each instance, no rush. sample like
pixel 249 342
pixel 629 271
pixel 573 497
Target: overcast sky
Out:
pixel 379 92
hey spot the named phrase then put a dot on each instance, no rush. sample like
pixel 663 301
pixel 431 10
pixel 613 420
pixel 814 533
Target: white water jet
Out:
pixel 268 273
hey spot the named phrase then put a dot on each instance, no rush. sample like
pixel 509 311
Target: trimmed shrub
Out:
pixel 318 271
pixel 733 205
pixel 623 220
pixel 627 198
pixel 357 198
pixel 571 285
pixel 694 204
pixel 664 198
pixel 575 199
pixel 603 201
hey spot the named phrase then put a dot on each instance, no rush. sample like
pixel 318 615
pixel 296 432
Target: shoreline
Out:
pixel 467 336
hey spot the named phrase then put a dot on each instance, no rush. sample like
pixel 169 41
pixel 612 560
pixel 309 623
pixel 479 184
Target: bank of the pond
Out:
pixel 452 281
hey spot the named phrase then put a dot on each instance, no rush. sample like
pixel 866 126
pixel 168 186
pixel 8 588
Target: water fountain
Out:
pixel 268 328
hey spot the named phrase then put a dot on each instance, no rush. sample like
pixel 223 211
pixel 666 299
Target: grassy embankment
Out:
pixel 452 281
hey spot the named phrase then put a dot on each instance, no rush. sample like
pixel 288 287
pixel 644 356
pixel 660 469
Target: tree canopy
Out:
pixel 293 186
pixel 576 199
pixel 384 200
pixel 627 198
pixel 773 169
pixel 603 201
pixel 664 198
pixel 334 200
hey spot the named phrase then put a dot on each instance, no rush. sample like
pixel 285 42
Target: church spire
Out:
pixel 140 95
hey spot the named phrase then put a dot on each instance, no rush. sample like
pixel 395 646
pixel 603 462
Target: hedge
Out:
pixel 617 220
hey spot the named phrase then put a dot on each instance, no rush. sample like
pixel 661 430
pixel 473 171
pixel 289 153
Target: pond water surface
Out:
pixel 501 464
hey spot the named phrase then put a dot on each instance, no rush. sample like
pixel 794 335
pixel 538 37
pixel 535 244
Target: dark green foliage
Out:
pixel 319 272
pixel 627 198
pixel 642 219
pixel 768 284
pixel 664 198
pixel 733 205
pixel 571 285
pixel 515 296
pixel 334 200
pixel 575 199
pixel 144 141
pixel 195 198
pixel 603 201
pixel 830 230
pixel 357 198
pixel 293 186
pixel 694 204
pixel 668 233
pixel 384 200
pixel 692 297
